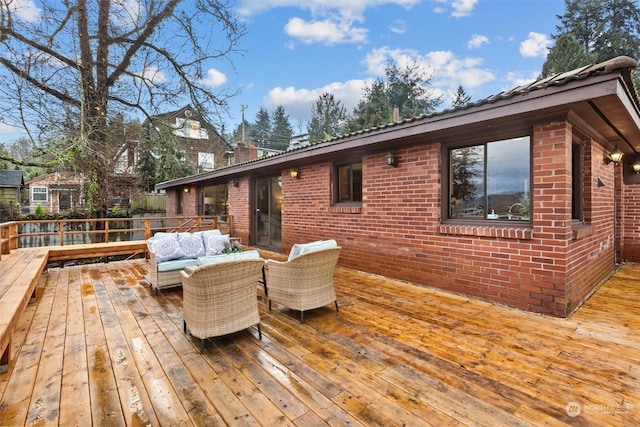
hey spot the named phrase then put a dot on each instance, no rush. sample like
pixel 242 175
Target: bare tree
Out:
pixel 70 70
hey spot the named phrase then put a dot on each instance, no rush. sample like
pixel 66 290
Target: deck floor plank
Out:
pixel 45 404
pixel 20 391
pixel 99 348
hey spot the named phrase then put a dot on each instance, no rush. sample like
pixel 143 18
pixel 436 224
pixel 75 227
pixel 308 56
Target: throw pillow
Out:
pixel 214 245
pixel 191 244
pixel 165 247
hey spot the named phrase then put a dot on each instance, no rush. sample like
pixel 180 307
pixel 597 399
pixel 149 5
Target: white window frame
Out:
pixel 40 191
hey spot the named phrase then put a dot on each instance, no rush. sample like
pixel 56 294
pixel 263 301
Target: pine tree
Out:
pixel 328 117
pixel 261 129
pixel 460 98
pixel 593 31
pixel 406 90
pixel 282 130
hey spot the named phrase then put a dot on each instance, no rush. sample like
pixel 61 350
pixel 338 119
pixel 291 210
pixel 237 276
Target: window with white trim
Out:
pixel 39 194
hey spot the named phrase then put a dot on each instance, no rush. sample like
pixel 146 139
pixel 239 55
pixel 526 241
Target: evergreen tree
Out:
pixel 405 89
pixel 567 54
pixel 603 29
pixel 261 129
pixel 372 110
pixel 328 117
pixel 160 158
pixel 460 98
pixel 242 133
pixel 282 130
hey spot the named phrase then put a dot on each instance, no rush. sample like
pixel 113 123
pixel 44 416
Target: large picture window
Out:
pixel 349 183
pixel 491 181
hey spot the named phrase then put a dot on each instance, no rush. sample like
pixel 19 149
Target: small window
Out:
pixel 205 161
pixel 491 181
pixel 39 194
pixel 577 154
pixel 349 183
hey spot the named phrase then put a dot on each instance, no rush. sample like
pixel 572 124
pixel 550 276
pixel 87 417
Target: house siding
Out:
pixel 398 232
pixel 631 224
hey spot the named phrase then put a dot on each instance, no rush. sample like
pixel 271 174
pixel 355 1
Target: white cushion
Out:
pixel 177 264
pixel 303 248
pixel 214 244
pixel 228 257
pixel 191 244
pixel 165 246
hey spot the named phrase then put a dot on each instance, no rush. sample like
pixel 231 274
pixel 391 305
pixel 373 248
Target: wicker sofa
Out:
pixel 305 280
pixel 170 253
pixel 220 298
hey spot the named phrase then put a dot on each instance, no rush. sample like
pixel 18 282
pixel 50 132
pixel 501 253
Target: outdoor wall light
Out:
pixel 295 173
pixel 185 189
pixel 636 165
pixel 390 159
pixel 234 182
pixel 615 156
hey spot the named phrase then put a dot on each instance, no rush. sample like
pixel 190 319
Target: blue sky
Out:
pixel 298 49
pixel 295 50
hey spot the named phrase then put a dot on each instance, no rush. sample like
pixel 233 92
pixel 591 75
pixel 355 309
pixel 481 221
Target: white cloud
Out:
pixel 298 102
pixel 330 22
pixel 398 26
pixel 152 73
pixel 214 78
pixel 255 7
pixel 447 70
pixel 516 79
pixel 536 45
pixel 477 41
pixel 5 128
pixel 325 31
pixel 126 13
pixel 25 10
pixel 461 8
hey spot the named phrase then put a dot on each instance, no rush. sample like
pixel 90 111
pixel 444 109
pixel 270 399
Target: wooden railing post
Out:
pixel 61 231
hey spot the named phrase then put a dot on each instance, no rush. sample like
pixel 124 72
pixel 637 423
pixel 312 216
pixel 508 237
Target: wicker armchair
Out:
pixel 220 298
pixel 305 282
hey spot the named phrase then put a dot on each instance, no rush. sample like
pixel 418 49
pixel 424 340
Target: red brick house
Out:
pixel 511 199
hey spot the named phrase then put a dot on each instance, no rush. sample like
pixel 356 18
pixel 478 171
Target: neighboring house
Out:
pixel 57 192
pixel 205 149
pixel 299 141
pixel 511 199
pixel 11 182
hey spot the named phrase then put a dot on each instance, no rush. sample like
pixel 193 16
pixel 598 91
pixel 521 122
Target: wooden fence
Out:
pixel 16 234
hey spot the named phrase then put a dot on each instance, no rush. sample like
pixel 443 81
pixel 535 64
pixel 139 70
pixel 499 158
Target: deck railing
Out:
pixel 36 233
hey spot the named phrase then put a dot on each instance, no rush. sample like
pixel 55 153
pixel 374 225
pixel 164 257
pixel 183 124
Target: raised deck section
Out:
pixel 21 270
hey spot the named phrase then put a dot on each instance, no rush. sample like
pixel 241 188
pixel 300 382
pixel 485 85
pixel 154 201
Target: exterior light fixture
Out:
pixel 185 189
pixel 615 156
pixel 234 182
pixel 295 173
pixel 390 159
pixel 636 165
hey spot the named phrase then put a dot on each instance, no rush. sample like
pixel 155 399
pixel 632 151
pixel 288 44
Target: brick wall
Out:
pixel 240 209
pixel 397 232
pixel 631 225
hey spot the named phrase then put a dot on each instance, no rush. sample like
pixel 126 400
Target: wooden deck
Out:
pixel 99 348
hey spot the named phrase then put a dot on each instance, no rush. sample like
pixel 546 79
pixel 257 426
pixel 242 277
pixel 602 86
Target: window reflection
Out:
pixel 491 180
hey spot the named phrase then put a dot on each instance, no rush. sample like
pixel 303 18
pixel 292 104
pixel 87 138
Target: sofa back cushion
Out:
pixel 303 248
pixel 228 257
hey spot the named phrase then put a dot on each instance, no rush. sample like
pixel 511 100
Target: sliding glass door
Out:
pixel 267 219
